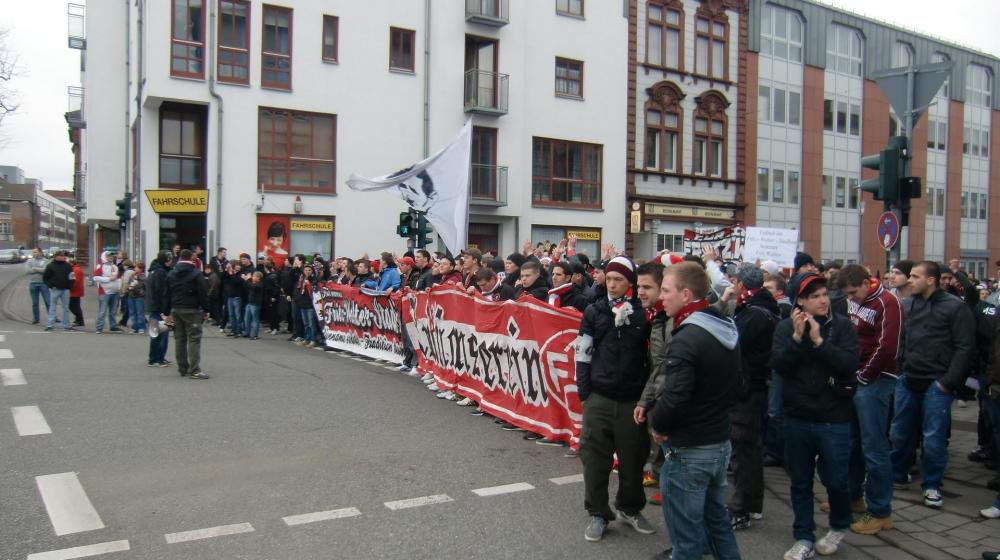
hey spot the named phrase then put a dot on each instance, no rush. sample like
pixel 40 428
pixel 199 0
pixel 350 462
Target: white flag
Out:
pixel 438 185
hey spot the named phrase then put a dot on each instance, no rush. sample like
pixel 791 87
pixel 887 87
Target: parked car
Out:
pixel 10 256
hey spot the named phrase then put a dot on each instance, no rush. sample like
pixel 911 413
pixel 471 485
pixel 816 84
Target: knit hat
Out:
pixel 408 261
pixel 623 266
pixel 802 259
pixel 667 259
pixel 904 266
pixel 516 258
pixel 750 276
pixel 247 255
pixel 770 267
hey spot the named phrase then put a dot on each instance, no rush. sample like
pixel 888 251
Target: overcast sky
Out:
pixel 35 137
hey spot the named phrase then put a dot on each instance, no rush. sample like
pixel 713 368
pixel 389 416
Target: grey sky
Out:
pixel 36 136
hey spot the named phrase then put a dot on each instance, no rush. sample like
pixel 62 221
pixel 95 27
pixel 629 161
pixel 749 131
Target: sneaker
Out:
pixel 800 551
pixel 140 331
pixel 300 342
pixel 756 515
pixel 404 369
pixel 466 402
pixel 508 427
pixel 311 344
pixel 222 329
pixel 532 436
pixel 254 338
pixel 35 322
pixel 48 329
pixel 199 375
pixel 432 387
pixel 649 481
pixel 830 542
pixel 477 412
pixel 898 485
pixel 739 521
pixel 428 378
pixel 572 453
pixel 164 363
pixel 656 499
pixel 991 555
pixel 868 524
pixel 595 530
pixel 152 364
pixel 115 329
pixel 992 512
pixel 549 442
pixel 444 395
pixel 69 329
pixel 638 522
pixel 979 455
pixel 932 498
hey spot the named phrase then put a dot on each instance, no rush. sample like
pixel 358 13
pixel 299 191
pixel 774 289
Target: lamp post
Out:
pixel 34 223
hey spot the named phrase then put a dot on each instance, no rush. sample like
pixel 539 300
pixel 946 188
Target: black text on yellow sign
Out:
pixel 170 201
pixel 309 225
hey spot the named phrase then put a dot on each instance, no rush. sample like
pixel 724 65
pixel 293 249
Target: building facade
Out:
pixel 31 217
pixel 266 109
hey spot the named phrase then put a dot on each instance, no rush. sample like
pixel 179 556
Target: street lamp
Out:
pixel 34 226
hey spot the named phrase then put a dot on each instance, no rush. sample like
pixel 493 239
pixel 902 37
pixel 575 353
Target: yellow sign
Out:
pixel 653 209
pixel 635 222
pixel 171 201
pixel 585 235
pixel 310 225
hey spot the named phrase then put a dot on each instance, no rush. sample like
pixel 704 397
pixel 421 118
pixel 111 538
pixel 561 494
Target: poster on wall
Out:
pixel 728 242
pixel 273 237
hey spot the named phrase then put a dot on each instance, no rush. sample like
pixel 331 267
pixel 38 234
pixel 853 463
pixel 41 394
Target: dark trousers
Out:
pixel 123 302
pixel 271 314
pixel 608 428
pixel 298 328
pixel 187 338
pixel 409 356
pixel 747 459
pixel 76 310
pixel 830 443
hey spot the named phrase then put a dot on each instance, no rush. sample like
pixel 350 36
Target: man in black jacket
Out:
pixel 756 316
pixel 422 258
pixel 939 338
pixel 816 353
pixel 566 293
pixel 186 302
pixel 611 371
pixel 491 287
pixel 691 417
pixel 532 282
pixel 58 276
pixel 156 287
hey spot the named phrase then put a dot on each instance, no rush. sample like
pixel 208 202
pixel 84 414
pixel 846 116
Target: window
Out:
pixel 570 7
pixel 401 53
pixel 664 28
pixel 853 192
pixel 966 133
pixel 182 146
pixel 764 103
pixel 710 135
pixel 669 242
pixel 842 117
pixel 276 48
pixel 187 39
pixel 296 151
pixel 781 33
pixel 5 228
pixel 763 184
pixel 973 205
pixel 978 85
pixel 902 55
pixel 778 186
pixel 710 47
pixel 840 194
pixel 234 41
pixel 941 57
pixel 483 178
pixel 794 108
pixel 827 191
pixel 828 114
pixel 939 202
pixel 855 119
pixel 793 187
pixel 843 50
pixel 331 38
pixel 662 133
pixel 569 77
pixel 565 173
pixel 965 205
pixel 779 105
pixel 982 206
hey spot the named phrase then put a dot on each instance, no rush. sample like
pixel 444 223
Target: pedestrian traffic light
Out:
pixel 889 164
pixel 423 231
pixel 406 224
pixel 124 211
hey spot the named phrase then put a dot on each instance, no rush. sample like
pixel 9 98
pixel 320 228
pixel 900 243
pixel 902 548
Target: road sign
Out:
pixel 888 230
pixel 927 80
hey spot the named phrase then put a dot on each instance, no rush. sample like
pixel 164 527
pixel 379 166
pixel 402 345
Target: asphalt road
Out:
pixel 278 431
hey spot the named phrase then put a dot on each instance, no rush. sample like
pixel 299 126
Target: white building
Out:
pixel 269 109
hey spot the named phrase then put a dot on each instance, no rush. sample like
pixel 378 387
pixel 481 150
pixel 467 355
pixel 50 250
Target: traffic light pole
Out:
pixel 894 255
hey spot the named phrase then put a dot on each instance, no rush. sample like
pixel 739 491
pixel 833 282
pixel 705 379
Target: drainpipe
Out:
pixel 427 77
pixel 122 235
pixel 218 134
pixel 140 82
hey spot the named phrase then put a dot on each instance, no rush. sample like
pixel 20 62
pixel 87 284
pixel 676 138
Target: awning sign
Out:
pixel 585 235
pixel 171 201
pixel 311 225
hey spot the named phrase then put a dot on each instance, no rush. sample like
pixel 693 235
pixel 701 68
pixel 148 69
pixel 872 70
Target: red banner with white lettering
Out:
pixel 360 321
pixel 515 358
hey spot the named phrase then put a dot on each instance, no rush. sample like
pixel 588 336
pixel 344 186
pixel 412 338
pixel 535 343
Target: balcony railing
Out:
pixel 74 111
pixel 488 185
pixel 485 92
pixel 77 26
pixel 487 12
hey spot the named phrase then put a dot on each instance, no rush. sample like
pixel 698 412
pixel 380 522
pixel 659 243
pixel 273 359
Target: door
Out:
pixel 484 161
pixel 481 58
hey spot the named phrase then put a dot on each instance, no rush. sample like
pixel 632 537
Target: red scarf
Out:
pixel 556 294
pixel 688 309
pixel 652 311
pixel 745 297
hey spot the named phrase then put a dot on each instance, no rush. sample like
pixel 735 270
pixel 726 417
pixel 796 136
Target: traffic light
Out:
pixel 406 224
pixel 889 164
pixel 423 231
pixel 124 211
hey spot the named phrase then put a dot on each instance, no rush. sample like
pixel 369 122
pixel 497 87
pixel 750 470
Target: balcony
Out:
pixel 77 26
pixel 74 112
pixel 488 185
pixel 485 92
pixel 487 12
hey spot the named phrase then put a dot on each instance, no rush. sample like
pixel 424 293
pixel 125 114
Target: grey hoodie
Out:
pixel 723 329
pixel 35 268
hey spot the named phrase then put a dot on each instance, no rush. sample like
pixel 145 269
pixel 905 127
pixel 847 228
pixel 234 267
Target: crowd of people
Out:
pixel 696 367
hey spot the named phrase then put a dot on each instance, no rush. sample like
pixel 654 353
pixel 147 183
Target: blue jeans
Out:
pixel 36 289
pixel 106 305
pixel 774 442
pixel 234 306
pixel 831 442
pixel 137 311
pixel 59 297
pixel 308 322
pixel 693 485
pixel 929 412
pixel 158 344
pixel 251 320
pixel 871 450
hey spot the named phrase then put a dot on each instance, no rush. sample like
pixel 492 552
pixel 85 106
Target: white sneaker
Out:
pixel 756 516
pixel 445 395
pixel 432 387
pixel 413 373
pixel 427 378
pixel 932 498
pixel 830 542
pixel 466 402
pixel 991 512
pixel 800 551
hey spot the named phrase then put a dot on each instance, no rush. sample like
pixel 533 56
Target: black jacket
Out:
pixel 574 298
pixel 612 360
pixel 186 289
pixel 232 285
pixel 156 287
pixel 255 293
pixel 272 286
pixel 426 279
pixel 56 275
pixel 939 340
pixel 806 371
pixel 755 322
pixel 539 290
pixel 700 382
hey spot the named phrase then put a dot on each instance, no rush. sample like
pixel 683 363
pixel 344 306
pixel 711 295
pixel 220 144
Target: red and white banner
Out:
pixel 360 321
pixel 515 358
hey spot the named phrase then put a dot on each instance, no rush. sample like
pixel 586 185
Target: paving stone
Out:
pixel 932 526
pixel 862 540
pixel 907 514
pixel 908 527
pixel 981 528
pixel 992 543
pixel 915 547
pixel 963 553
pixel 935 540
pixel 964 534
pixel 890 553
pixel 949 520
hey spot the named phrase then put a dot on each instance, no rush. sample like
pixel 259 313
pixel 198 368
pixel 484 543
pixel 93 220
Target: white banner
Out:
pixel 771 244
pixel 438 185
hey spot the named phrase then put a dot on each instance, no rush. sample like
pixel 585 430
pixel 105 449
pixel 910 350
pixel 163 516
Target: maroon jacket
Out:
pixel 879 324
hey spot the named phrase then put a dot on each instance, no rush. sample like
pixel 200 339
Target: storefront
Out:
pixel 659 227
pixel 181 217
pixel 588 239
pixel 281 235
pixel 485 237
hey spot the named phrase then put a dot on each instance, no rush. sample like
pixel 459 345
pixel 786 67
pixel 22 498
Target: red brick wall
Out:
pixel 812 160
pixel 748 195
pixel 953 187
pixel 918 207
pixel 876 131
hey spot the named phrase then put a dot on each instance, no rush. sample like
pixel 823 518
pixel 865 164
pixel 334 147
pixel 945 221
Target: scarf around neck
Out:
pixel 621 308
pixel 556 294
pixel 688 310
pixel 746 296
pixel 652 311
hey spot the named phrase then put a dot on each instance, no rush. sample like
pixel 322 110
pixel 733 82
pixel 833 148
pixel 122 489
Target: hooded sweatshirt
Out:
pixel 106 276
pixel 702 381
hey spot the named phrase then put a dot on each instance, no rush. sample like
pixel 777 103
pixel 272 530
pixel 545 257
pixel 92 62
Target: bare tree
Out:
pixel 9 101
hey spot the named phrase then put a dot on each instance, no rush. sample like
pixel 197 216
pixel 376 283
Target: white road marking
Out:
pixel 81 551
pixel 417 502
pixel 67 504
pixel 6 354
pixel 29 421
pixel 208 533
pixel 12 377
pixel 571 479
pixel 304 518
pixel 505 489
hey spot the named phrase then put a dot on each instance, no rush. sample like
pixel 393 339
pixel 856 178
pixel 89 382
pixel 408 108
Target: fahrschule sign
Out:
pixel 172 201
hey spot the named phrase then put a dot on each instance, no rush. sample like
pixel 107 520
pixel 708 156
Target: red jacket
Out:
pixel 879 323
pixel 77 289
